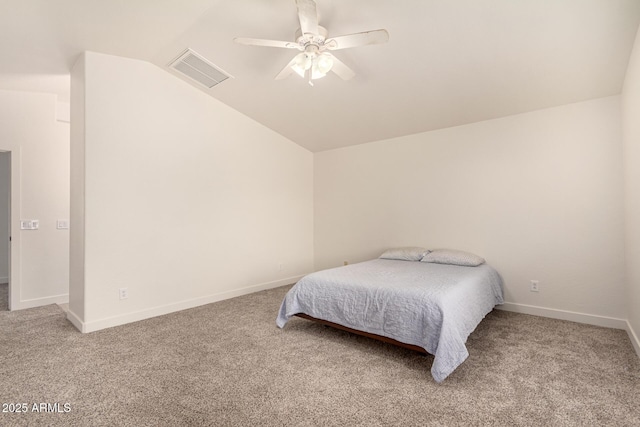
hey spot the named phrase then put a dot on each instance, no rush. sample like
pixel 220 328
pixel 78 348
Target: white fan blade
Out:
pixel 344 72
pixel 287 71
pixel 268 43
pixel 358 39
pixel 308 16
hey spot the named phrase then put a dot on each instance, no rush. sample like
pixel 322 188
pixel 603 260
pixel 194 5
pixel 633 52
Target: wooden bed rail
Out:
pixel 364 334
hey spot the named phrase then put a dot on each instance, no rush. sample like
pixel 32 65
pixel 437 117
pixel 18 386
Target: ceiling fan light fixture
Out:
pixel 302 63
pixel 316 73
pixel 319 65
pixel 324 62
pixel 311 39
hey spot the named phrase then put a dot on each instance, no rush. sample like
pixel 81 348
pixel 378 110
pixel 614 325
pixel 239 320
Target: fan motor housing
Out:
pixel 317 39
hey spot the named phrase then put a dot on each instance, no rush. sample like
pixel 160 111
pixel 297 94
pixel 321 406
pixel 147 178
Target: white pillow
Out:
pixel 409 253
pixel 452 256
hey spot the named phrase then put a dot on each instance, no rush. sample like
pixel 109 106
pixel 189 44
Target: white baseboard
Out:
pixel 589 319
pixel 634 338
pixel 75 320
pixel 109 322
pixel 39 302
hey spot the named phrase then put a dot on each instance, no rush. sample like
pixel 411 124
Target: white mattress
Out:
pixel 434 306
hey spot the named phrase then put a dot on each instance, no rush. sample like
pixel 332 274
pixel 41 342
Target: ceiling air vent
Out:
pixel 199 69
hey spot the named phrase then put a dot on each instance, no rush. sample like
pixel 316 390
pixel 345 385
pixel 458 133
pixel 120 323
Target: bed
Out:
pixel 422 304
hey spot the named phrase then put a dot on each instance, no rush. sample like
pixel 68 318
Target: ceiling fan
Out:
pixel 314 60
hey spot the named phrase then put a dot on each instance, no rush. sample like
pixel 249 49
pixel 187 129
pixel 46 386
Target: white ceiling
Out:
pixel 448 62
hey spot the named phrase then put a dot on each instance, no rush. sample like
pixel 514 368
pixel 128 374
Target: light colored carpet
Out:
pixel 227 364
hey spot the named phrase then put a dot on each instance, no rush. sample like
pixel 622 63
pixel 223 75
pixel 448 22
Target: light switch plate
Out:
pixel 62 224
pixel 29 224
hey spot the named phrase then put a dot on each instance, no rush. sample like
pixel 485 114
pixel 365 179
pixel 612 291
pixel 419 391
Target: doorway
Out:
pixel 5 234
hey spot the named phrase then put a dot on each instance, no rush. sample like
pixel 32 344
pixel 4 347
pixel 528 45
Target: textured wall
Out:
pixel 185 200
pixel 539 195
pixel 631 134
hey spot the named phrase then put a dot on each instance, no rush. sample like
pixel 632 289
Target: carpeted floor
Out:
pixel 227 364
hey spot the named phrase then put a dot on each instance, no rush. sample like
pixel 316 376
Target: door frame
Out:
pixel 14 230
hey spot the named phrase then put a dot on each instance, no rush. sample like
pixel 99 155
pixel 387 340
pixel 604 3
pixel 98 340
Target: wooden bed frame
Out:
pixel 364 334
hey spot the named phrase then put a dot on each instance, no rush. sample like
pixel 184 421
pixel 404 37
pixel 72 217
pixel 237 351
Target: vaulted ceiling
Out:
pixel 447 63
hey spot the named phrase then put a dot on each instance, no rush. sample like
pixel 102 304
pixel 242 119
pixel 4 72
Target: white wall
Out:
pixel 77 190
pixel 631 137
pixel 186 201
pixel 5 192
pixel 539 195
pixel 39 146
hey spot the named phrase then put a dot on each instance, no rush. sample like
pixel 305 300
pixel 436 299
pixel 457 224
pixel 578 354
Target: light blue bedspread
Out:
pixel 434 306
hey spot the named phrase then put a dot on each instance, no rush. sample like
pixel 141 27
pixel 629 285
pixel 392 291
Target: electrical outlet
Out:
pixel 124 293
pixel 534 286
